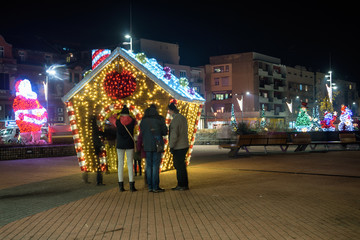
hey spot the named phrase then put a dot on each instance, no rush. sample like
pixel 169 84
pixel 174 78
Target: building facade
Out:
pixel 29 59
pixel 256 80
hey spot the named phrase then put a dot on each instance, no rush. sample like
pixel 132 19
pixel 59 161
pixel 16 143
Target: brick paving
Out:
pixel 274 196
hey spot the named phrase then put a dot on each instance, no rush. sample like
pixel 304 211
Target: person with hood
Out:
pixel 179 145
pixel 125 145
pixel 153 128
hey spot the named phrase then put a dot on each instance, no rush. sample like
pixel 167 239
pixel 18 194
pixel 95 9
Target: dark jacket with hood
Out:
pixel 123 139
pixel 152 126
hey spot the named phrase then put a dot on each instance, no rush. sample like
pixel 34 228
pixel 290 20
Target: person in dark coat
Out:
pixel 152 127
pixel 125 145
pixel 179 146
pixel 140 149
pixel 98 144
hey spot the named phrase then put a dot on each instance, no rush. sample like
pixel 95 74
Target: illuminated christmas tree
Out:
pixel 345 119
pixel 263 124
pixel 303 121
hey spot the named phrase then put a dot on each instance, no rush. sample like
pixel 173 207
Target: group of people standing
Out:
pixel 152 131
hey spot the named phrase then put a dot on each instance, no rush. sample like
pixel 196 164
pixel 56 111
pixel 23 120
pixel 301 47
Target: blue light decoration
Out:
pixel 345 119
pixel 98 56
pixel 158 71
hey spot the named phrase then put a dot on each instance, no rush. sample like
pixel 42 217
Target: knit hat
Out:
pixel 172 107
pixel 125 110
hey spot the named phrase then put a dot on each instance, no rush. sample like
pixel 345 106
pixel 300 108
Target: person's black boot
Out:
pixel 85 177
pixel 132 187
pixel 121 186
pixel 99 178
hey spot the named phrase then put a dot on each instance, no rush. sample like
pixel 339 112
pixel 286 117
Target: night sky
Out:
pixel 300 33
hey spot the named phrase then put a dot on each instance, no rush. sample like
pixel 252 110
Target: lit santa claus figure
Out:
pixel 30 116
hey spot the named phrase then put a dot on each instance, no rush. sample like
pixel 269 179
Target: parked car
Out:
pixel 11 135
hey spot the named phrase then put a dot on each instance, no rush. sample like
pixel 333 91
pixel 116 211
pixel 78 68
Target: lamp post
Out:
pixel 127 36
pixel 331 85
pixel 49 72
pixel 241 104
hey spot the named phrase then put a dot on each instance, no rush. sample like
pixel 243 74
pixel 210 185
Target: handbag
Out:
pixel 160 145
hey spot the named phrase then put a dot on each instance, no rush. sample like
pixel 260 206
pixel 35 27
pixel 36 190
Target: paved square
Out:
pixel 274 196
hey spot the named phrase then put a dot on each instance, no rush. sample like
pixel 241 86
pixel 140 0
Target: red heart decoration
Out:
pixel 119 85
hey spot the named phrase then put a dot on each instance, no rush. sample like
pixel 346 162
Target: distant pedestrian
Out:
pixel 141 154
pixel 179 145
pixel 125 145
pixel 153 128
pixel 98 144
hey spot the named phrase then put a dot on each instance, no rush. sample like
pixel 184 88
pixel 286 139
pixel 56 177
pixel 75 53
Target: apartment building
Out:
pixel 28 58
pixel 258 80
pixel 300 87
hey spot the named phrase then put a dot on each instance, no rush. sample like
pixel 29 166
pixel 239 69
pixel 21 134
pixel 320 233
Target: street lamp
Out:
pixel 127 36
pixel 241 103
pixel 50 72
pixel 331 85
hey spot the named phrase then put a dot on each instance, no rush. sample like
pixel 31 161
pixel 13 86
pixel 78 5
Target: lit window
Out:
pixel 219 96
pixel 218 69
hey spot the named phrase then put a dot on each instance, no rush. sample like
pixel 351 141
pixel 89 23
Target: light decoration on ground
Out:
pixel 30 116
pixel 316 126
pixel 345 119
pixel 327 124
pixel 90 98
pixel 303 122
pixel 98 56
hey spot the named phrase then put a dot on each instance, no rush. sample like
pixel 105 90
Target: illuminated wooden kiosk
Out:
pixel 125 78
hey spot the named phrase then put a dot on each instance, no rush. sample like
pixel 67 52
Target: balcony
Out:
pixel 269 113
pixel 263 99
pixel 277 101
pixel 269 86
pixel 263 72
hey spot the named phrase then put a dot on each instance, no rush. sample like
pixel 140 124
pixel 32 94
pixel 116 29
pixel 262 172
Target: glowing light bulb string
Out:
pixel 76 136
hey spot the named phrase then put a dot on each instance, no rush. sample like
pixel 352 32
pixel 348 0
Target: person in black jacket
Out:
pixel 125 144
pixel 152 127
pixel 98 144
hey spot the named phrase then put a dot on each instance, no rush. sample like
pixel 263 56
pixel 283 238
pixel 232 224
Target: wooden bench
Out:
pixel 300 140
pixel 244 141
pixel 345 139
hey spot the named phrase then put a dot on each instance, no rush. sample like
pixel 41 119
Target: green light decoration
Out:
pixel 303 121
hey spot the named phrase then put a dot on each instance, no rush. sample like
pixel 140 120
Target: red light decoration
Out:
pixel 119 85
pixel 29 114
